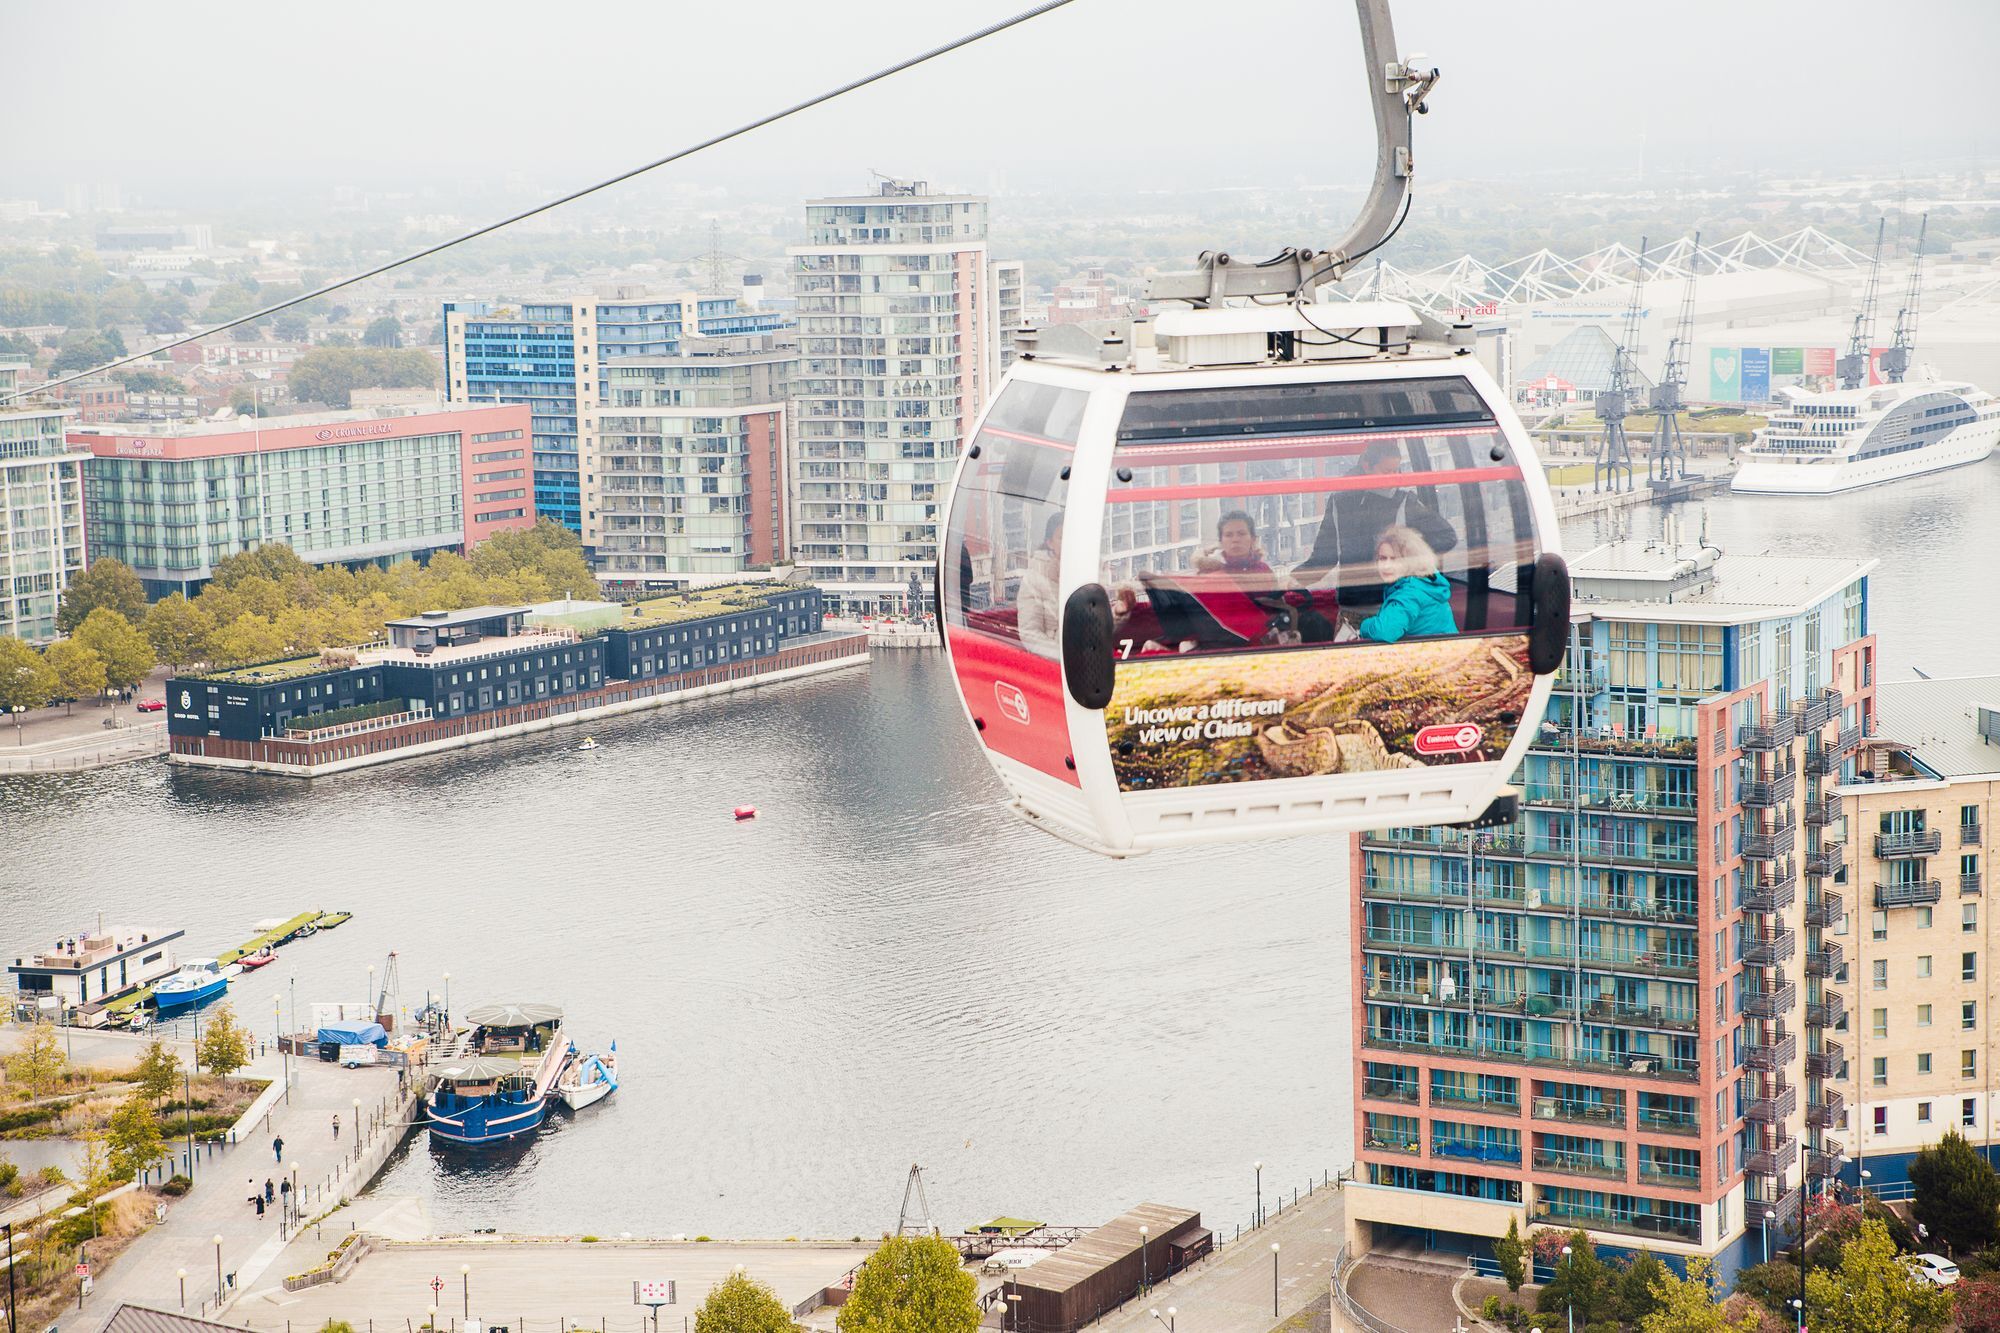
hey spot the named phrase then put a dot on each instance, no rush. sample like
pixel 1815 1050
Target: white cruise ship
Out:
pixel 1841 439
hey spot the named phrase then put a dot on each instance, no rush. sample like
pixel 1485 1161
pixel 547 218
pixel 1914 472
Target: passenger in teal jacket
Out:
pixel 1419 598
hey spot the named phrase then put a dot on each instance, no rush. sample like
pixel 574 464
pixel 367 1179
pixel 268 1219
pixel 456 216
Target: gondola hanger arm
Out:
pixel 1398 88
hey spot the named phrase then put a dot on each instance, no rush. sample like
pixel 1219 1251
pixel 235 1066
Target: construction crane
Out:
pixel 1896 358
pixel 1853 368
pixel 1615 455
pixel 386 1000
pixel 1667 460
pixel 915 1218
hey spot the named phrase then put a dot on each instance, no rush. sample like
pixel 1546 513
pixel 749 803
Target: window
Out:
pixel 1879 1076
pixel 1880 968
pixel 1968 1064
pixel 1968 1015
pixel 1923 1015
pixel 1968 966
pixel 1923 1062
pixel 1879 925
pixel 1968 918
pixel 1923 966
pixel 1881 1120
pixel 1923 1113
pixel 1925 918
pixel 1880 1019
pixel 1968 1112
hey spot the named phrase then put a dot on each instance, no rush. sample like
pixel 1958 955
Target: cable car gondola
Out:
pixel 1289 568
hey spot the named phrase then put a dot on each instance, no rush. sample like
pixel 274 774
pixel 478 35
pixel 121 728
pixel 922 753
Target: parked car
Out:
pixel 152 705
pixel 1937 1268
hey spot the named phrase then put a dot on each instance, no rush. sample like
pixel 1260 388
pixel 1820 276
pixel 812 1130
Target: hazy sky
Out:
pixel 257 99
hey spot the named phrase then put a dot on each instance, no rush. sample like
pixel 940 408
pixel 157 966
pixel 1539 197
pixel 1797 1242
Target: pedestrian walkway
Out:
pixel 322 1168
pixel 1233 1292
pixel 77 736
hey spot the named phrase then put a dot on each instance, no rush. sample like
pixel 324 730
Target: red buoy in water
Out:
pixel 746 812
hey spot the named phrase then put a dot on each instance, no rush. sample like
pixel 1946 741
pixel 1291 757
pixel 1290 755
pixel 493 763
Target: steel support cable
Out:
pixel 818 99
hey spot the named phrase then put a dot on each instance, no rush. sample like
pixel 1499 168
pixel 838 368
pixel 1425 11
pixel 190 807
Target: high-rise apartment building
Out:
pixel 41 514
pixel 1919 980
pixel 899 311
pixel 551 355
pixel 1618 1014
pixel 691 462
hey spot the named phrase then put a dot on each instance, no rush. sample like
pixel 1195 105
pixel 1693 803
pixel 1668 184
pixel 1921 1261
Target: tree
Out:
pixel 912 1284
pixel 273 560
pixel 1957 1194
pixel 40 1062
pixel 225 1046
pixel 179 631
pixel 1977 1305
pixel 1583 1283
pixel 330 374
pixel 1636 1297
pixel 158 1068
pixel 79 671
pixel 126 655
pixel 134 1136
pixel 249 638
pixel 148 381
pixel 384 331
pixel 245 401
pixel 105 582
pixel 26 678
pixel 741 1304
pixel 1690 1304
pixel 290 327
pixel 1511 1254
pixel 1875 1291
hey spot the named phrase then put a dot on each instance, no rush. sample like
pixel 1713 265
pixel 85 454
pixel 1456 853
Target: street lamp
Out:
pixel 1260 1196
pixel 1274 1279
pixel 218 1270
pixel 368 1005
pixel 465 1284
pixel 181 1274
pixel 447 999
pixel 1169 1320
pixel 357 1127
pixel 1144 1274
pixel 1569 1288
pixel 430 1311
pixel 1013 1306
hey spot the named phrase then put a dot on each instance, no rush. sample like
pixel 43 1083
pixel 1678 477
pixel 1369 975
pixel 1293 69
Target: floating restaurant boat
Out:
pixel 590 1078
pixel 84 972
pixel 499 1091
pixel 194 985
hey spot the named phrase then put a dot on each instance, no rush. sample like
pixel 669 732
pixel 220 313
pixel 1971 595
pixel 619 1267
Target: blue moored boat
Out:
pixel 190 988
pixel 500 1090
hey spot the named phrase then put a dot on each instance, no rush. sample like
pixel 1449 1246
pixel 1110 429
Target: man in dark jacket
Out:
pixel 1355 520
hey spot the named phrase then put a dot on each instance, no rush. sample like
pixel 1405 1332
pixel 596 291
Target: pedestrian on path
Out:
pixel 278 1147
pixel 270 1191
pixel 336 1127
pixel 258 1199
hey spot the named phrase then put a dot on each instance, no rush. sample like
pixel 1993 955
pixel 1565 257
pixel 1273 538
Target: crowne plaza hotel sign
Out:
pixel 357 432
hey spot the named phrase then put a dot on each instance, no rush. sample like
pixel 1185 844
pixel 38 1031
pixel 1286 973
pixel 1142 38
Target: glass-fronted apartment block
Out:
pixel 1617 1015
pixel 691 462
pixel 41 514
pixel 551 354
pixel 1917 980
pixel 351 487
pixel 899 340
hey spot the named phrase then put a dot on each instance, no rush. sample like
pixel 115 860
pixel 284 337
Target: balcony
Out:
pixel 1816 713
pixel 1775 1109
pixel 1769 793
pixel 1827 1011
pixel 1825 961
pixel 1768 845
pixel 1661 853
pixel 1824 813
pixel 1387 1090
pixel 1825 910
pixel 1770 895
pixel 1914 893
pixel 1770 1053
pixel 1622 801
pixel 1580 1113
pixel 1771 1003
pixel 1772 1156
pixel 1643 1015
pixel 1827 1061
pixel 1822 1165
pixel 1668 1122
pixel 1768 735
pixel 1923 842
pixel 1557 739
pixel 1559 1213
pixel 1669 1175
pixel 1385 1141
pixel 1511 1052
pixel 1770 949
pixel 1779 1212
pixel 1968 884
pixel 1828 861
pixel 1474 1101
pixel 1968 834
pixel 1824 1111
pixel 1578 1164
